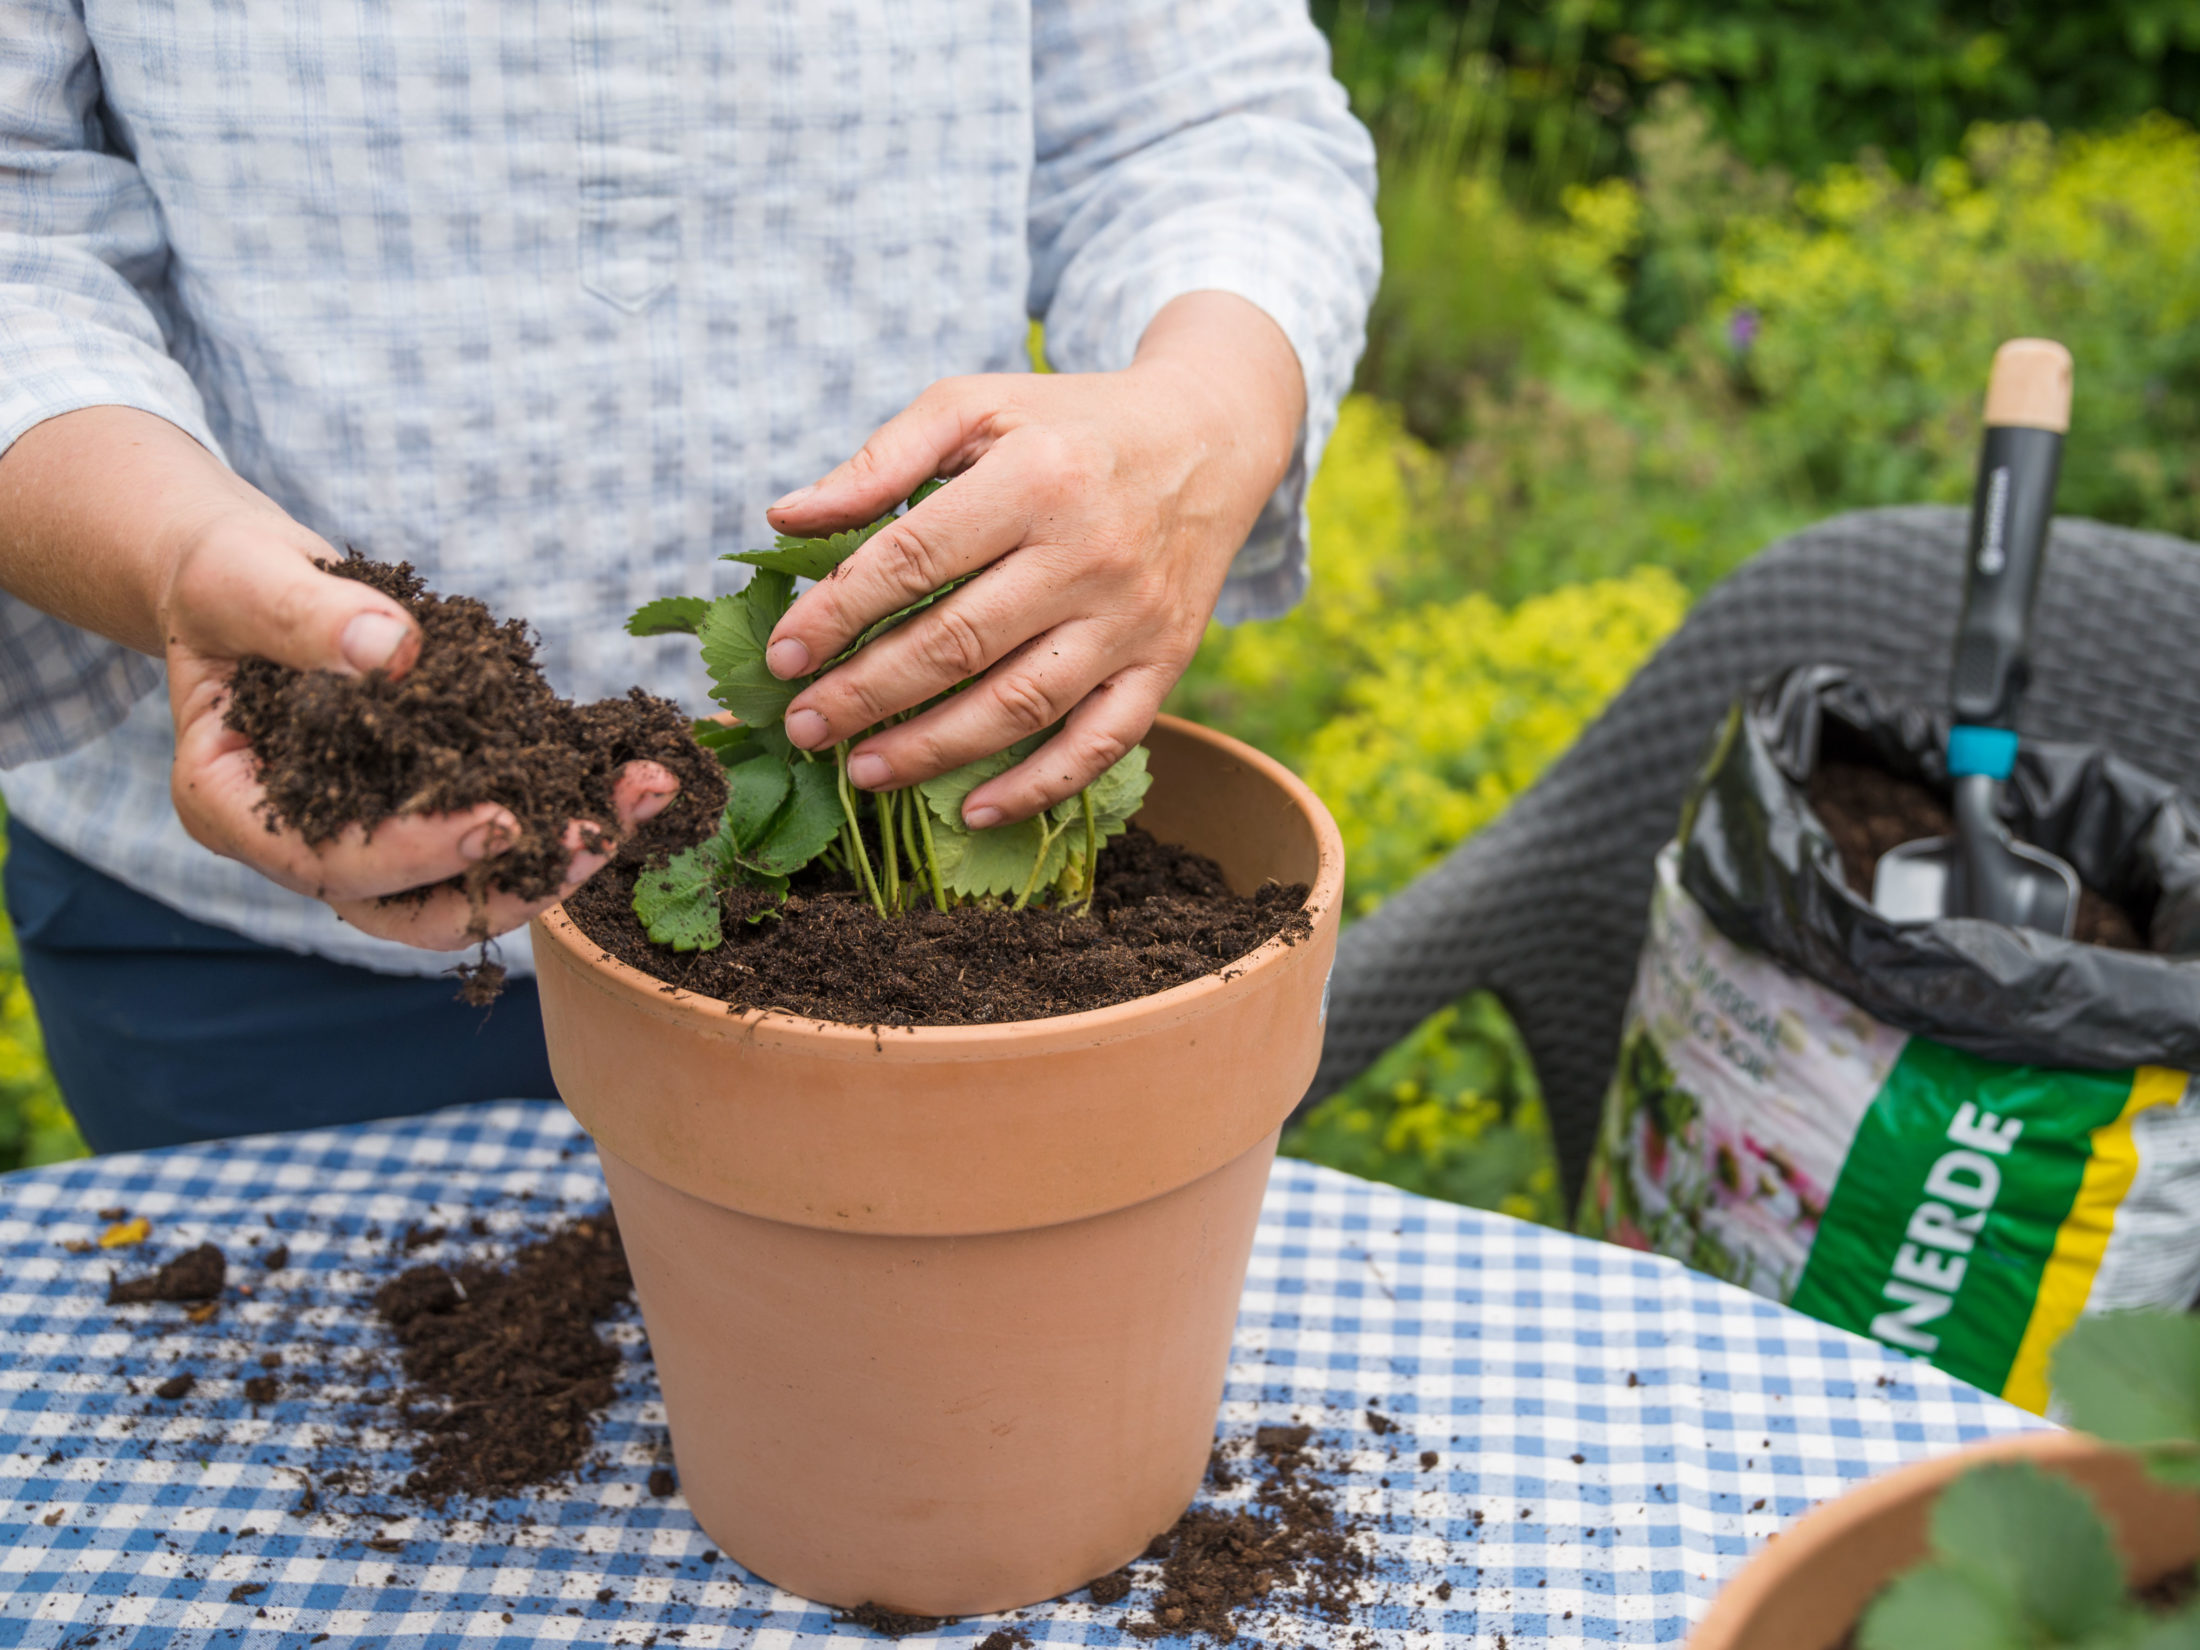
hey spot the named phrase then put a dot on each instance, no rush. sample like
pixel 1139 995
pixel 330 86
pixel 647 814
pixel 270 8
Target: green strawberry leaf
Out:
pixel 1116 795
pixel 754 791
pixel 734 633
pixel 730 742
pixel 678 902
pixel 809 821
pixel 2179 1630
pixel 1944 1609
pixel 2134 1378
pixel 994 861
pixel 807 558
pixel 896 619
pixel 946 793
pixel 668 616
pixel 2034 1540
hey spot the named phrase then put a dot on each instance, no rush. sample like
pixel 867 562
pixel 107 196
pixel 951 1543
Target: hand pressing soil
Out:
pixel 473 721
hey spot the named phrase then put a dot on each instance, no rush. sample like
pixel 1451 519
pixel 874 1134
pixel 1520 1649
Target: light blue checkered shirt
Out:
pixel 552 299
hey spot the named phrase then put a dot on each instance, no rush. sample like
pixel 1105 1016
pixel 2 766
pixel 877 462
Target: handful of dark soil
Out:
pixel 1868 811
pixel 506 1371
pixel 473 721
pixel 1161 915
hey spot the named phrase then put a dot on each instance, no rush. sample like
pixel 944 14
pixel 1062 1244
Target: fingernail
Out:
pixel 371 640
pixel 979 819
pixel 807 729
pixel 787 658
pixel 794 498
pixel 651 805
pixel 870 771
pixel 489 837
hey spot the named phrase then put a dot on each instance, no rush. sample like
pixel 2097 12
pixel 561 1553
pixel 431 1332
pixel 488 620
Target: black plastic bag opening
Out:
pixel 1762 865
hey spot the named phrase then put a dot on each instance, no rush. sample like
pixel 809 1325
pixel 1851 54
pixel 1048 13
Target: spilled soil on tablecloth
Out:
pixel 505 1372
pixel 1867 811
pixel 474 720
pixel 1161 915
pixel 1284 1551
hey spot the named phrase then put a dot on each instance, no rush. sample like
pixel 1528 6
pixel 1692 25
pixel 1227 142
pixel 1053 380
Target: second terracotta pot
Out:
pixel 942 1315
pixel 1811 1584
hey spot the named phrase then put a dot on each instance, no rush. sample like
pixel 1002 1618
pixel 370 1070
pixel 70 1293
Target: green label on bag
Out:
pixel 1949 1201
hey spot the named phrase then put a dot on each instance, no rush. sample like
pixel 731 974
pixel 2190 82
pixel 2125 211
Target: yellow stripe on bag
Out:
pixel 2082 1239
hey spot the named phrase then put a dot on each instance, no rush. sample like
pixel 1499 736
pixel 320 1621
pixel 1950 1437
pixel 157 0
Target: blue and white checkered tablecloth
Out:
pixel 1615 1433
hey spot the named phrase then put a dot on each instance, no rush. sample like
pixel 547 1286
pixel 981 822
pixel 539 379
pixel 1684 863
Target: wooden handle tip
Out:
pixel 2030 386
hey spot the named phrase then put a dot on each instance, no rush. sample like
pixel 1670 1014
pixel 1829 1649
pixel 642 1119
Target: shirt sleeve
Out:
pixel 1202 145
pixel 82 259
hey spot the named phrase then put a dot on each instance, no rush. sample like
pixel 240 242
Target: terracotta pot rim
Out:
pixel 1099 1024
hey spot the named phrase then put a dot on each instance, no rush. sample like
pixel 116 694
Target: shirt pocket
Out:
pixel 626 62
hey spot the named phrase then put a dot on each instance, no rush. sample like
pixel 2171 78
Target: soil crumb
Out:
pixel 195 1275
pixel 1006 1638
pixel 1161 915
pixel 473 721
pixel 892 1623
pixel 176 1386
pixel 1868 810
pixel 505 1370
pixel 1290 1548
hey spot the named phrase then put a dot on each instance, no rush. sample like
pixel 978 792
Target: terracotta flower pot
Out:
pixel 1811 1583
pixel 942 1315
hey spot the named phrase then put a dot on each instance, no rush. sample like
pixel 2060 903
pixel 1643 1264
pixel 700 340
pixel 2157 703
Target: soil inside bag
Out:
pixel 1869 811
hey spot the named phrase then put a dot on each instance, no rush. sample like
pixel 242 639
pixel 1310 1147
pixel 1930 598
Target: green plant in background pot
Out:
pixel 2082 1540
pixel 2023 1559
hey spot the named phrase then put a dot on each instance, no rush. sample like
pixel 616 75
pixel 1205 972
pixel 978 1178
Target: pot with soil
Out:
pixel 936 1150
pixel 1809 1587
pixel 942 1311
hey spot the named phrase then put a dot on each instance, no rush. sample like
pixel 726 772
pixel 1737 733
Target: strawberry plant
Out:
pixel 2022 1559
pixel 787 808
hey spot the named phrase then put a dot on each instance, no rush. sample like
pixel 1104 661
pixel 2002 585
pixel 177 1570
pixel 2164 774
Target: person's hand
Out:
pixel 1104 509
pixel 243 582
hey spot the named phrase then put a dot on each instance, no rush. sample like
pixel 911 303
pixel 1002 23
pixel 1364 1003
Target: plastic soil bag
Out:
pixel 1953 1137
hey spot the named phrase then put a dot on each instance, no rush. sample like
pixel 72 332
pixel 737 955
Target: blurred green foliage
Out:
pixel 1590 392
pixel 1451 1112
pixel 1790 85
pixel 35 1126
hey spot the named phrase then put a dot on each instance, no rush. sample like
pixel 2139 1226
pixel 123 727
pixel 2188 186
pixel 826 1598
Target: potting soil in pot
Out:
pixel 1953 1137
pixel 1161 915
pixel 474 720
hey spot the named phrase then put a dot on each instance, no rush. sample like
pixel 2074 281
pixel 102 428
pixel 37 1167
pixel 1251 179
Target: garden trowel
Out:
pixel 1981 871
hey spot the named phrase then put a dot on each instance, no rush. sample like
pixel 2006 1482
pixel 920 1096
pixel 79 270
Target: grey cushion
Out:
pixel 1546 906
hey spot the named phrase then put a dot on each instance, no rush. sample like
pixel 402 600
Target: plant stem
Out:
pixel 889 847
pixel 855 830
pixel 1046 842
pixel 931 852
pixel 1092 851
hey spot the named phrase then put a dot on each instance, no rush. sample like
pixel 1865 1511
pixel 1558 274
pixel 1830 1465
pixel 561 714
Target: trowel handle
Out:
pixel 2027 411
